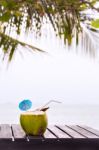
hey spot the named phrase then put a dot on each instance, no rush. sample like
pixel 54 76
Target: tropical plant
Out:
pixel 65 16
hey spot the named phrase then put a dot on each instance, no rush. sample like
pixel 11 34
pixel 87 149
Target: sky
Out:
pixel 59 74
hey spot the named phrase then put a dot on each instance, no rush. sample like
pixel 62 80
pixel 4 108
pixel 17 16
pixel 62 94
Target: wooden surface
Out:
pixel 56 137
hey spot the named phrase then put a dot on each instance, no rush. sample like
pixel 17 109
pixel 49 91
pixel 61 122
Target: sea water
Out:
pixel 61 114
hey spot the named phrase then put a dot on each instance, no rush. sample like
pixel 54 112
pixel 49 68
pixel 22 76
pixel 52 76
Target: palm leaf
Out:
pixel 65 17
pixel 9 45
pixel 89 40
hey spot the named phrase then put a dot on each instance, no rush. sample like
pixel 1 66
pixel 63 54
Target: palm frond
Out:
pixel 65 17
pixel 9 45
pixel 89 40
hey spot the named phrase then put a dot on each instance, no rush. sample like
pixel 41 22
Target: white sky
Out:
pixel 60 75
pixel 66 76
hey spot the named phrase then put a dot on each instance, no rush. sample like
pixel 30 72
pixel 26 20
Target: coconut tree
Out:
pixel 67 17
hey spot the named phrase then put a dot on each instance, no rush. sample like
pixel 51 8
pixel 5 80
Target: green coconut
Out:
pixel 34 122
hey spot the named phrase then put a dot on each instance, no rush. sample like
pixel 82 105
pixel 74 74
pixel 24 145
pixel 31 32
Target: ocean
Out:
pixel 60 114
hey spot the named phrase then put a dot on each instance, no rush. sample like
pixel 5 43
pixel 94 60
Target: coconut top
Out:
pixel 33 113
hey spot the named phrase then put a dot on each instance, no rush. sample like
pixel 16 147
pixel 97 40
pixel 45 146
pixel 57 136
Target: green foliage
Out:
pixel 64 15
pixel 95 23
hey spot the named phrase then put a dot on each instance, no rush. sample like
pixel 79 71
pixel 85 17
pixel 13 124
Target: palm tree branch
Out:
pixel 9 45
